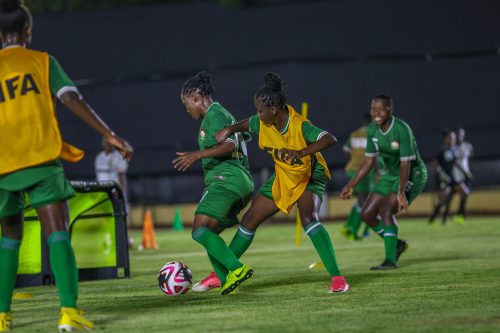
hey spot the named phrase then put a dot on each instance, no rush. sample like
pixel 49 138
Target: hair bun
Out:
pixel 10 5
pixel 274 82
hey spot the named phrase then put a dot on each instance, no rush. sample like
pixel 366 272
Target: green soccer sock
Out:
pixel 391 241
pixel 379 228
pixel 217 248
pixel 9 261
pixel 354 219
pixel 241 241
pixel 323 244
pixel 63 264
pixel 219 269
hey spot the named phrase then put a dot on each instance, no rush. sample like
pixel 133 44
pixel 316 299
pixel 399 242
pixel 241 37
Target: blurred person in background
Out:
pixel 31 148
pixel 462 175
pixel 111 166
pixel 354 149
pixel 443 165
pixel 405 176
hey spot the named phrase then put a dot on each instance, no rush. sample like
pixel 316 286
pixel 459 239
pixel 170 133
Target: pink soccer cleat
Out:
pixel 210 282
pixel 339 285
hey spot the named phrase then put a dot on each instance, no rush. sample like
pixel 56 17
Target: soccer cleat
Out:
pixel 73 320
pixel 235 278
pixel 5 321
pixel 460 219
pixel 345 231
pixel 385 266
pixel 210 282
pixel 401 247
pixel 339 285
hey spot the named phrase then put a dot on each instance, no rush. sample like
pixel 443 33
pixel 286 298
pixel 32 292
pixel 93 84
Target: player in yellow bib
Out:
pixel 30 146
pixel 300 175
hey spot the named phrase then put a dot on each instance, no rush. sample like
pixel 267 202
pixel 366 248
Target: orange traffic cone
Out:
pixel 148 233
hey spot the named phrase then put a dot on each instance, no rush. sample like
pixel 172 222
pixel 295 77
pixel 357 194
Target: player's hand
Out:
pixel 402 202
pixel 222 135
pixel 184 160
pixel 288 154
pixel 346 192
pixel 123 147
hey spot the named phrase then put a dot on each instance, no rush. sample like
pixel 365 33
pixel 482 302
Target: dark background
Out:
pixel 439 60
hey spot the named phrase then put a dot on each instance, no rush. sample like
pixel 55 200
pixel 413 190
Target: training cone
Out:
pixel 178 224
pixel 148 233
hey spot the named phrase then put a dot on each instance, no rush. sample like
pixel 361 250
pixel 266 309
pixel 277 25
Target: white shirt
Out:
pixel 463 152
pixel 109 166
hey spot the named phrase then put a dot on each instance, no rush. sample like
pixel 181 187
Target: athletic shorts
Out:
pixel 365 185
pixel 54 188
pixel 222 204
pixel 316 185
pixel 390 184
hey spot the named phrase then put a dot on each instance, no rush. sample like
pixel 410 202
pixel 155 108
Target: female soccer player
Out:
pixel 404 178
pixel 228 183
pixel 30 146
pixel 300 174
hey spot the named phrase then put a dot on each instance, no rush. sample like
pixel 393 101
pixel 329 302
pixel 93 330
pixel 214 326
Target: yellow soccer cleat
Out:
pixel 73 320
pixel 5 321
pixel 235 278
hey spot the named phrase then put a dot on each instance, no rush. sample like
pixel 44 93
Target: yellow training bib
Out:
pixel 29 133
pixel 291 176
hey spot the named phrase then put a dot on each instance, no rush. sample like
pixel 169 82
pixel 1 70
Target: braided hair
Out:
pixel 202 83
pixel 272 93
pixel 15 17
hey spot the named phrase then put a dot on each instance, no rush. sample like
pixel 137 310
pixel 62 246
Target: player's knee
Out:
pixel 368 215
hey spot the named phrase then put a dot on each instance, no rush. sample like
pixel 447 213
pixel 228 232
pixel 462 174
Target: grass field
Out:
pixel 448 281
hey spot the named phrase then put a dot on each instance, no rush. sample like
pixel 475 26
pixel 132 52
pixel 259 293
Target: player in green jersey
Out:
pixel 45 184
pixel 404 178
pixel 354 149
pixel 228 183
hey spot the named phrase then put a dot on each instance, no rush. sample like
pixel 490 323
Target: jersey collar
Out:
pixel 389 129
pixel 213 103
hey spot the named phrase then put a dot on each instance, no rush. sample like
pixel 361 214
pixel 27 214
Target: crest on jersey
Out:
pixel 203 134
pixel 394 145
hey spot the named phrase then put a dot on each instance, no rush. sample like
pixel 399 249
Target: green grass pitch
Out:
pixel 448 281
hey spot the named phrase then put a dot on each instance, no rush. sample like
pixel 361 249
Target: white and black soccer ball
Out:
pixel 175 278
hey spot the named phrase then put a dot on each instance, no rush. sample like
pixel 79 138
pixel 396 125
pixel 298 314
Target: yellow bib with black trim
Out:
pixel 29 132
pixel 291 176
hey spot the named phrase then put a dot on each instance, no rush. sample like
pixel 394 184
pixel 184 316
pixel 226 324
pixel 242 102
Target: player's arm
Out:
pixel 242 126
pixel 62 87
pixel 316 139
pixel 407 154
pixel 365 168
pixel 185 159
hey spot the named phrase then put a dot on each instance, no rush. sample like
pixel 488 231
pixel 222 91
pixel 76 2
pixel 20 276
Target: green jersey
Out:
pixel 233 170
pixel 395 145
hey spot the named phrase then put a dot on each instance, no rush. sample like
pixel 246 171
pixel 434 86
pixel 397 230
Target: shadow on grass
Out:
pixel 424 260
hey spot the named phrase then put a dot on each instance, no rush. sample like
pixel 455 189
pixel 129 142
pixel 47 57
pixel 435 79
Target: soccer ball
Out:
pixel 175 278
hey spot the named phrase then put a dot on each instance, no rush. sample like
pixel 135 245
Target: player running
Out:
pixel 404 178
pixel 30 146
pixel 300 174
pixel 228 183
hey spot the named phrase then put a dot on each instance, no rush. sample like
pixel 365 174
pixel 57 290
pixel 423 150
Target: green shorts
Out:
pixel 316 185
pixel 53 188
pixel 365 185
pixel 222 204
pixel 390 184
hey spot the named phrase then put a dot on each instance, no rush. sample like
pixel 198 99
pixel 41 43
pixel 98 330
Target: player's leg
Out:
pixel 464 191
pixel 309 204
pixel 261 209
pixel 212 280
pixel 370 213
pixel 11 218
pixel 48 197
pixel 387 212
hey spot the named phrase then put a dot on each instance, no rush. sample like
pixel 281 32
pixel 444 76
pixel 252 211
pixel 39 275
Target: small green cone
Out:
pixel 178 224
